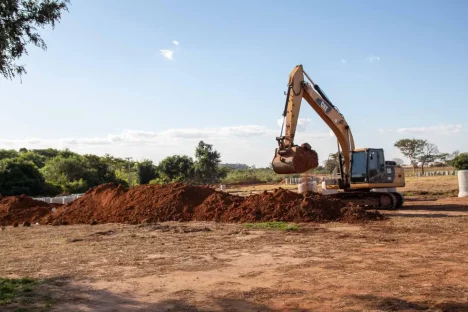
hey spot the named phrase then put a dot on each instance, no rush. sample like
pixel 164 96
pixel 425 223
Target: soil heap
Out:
pixel 21 209
pixel 109 203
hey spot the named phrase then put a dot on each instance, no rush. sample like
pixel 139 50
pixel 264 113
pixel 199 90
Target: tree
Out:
pixel 398 161
pixel 429 153
pixel 460 162
pixel 99 171
pixel 207 164
pixel 18 177
pixel 331 163
pixel 33 157
pixel 18 28
pixel 448 158
pixel 146 171
pixel 71 173
pixel 5 154
pixel 175 169
pixel 235 166
pixel 411 149
pixel 48 152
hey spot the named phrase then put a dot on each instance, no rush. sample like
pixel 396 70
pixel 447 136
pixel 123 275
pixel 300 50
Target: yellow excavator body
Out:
pixel 364 177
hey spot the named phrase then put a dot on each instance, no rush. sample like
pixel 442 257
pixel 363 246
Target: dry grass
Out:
pixel 415 261
pixel 408 262
pixel 436 185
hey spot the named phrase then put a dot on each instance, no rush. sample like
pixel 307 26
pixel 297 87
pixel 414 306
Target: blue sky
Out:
pixel 105 85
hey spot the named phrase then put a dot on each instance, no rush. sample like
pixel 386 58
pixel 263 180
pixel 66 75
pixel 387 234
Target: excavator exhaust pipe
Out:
pixel 297 159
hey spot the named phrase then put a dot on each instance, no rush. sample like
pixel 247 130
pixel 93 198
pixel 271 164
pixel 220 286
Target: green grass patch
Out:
pixel 10 289
pixel 20 294
pixel 281 226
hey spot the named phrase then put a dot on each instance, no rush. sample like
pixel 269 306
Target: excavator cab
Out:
pixel 368 166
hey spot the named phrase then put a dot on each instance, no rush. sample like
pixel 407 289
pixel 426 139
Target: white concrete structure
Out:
pixel 463 183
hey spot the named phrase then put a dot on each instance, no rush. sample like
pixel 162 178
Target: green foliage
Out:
pixel 21 295
pixel 51 171
pixel 275 225
pixel 76 186
pixel 68 173
pixel 146 171
pixel 251 176
pixel 18 177
pixel 62 170
pixel 37 159
pixel 18 22
pixel 75 173
pixel 331 163
pixel 47 153
pixel 460 162
pixel 11 289
pixel 157 181
pixel 6 154
pixel 175 169
pixel 207 164
pixel 234 166
pixel 99 170
pixel 122 176
pixel 51 189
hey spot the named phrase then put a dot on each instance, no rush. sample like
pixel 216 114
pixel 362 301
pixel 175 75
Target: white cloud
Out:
pixel 302 123
pixel 138 136
pixel 175 42
pixel 251 144
pixel 343 61
pixel 373 58
pixel 167 54
pixel 439 129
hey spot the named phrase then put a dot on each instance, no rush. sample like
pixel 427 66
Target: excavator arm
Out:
pixel 290 158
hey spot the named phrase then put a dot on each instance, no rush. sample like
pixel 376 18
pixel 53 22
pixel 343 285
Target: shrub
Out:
pixel 461 161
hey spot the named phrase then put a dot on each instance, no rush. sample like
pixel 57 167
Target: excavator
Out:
pixel 362 176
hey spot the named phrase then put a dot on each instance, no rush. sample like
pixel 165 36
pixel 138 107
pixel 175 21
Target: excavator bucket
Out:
pixel 297 159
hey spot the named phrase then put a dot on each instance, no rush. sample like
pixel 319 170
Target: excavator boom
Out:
pixel 290 158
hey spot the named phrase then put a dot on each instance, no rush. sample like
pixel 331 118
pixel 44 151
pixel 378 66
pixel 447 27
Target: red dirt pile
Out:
pixel 179 202
pixel 21 209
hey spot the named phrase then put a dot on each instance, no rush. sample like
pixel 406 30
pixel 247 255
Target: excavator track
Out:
pixel 371 200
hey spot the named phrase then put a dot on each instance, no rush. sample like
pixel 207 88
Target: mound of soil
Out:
pixel 179 202
pixel 21 209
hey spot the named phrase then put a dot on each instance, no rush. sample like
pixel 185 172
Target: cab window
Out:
pixel 359 166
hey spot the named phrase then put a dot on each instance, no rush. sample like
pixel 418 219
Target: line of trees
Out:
pixel 51 171
pixel 422 152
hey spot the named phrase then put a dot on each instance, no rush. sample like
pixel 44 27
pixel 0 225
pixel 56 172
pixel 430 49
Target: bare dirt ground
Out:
pixel 435 186
pixel 415 261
